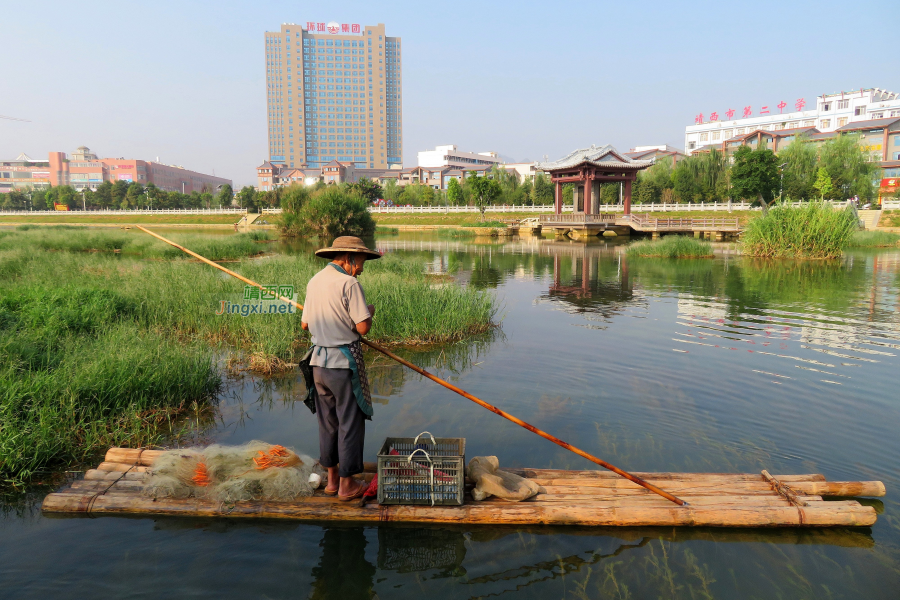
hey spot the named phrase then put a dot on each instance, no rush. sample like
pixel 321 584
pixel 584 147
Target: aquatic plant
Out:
pixel 671 246
pixel 486 224
pixel 814 230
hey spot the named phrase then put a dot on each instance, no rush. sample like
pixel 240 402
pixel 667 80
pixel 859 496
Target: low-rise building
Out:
pixel 659 153
pixel 84 170
pixel 450 156
pixel 270 176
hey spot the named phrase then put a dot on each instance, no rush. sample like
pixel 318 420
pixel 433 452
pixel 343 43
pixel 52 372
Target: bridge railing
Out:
pixel 578 218
pixel 685 223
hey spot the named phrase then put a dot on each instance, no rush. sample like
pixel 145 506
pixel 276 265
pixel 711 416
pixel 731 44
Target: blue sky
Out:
pixel 185 81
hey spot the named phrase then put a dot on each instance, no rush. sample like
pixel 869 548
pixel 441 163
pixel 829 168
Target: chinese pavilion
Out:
pixel 587 169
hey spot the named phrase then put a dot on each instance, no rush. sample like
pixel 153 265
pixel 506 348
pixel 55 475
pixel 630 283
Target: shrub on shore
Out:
pixel 814 230
pixel 874 239
pixel 671 246
pixel 328 213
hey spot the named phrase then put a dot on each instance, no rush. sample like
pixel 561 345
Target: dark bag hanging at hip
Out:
pixel 311 395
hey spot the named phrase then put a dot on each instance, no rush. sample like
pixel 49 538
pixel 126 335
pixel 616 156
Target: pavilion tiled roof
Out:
pixel 604 156
pixel 871 124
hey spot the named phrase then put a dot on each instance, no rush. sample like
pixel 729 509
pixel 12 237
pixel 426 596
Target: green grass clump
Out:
pixel 672 246
pixel 815 230
pixel 78 373
pixel 446 232
pixel 486 224
pixel 874 239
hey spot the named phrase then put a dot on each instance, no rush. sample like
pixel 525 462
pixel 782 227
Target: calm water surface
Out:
pixel 727 365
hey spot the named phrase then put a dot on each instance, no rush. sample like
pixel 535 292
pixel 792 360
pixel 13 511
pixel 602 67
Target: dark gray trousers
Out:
pixel 342 425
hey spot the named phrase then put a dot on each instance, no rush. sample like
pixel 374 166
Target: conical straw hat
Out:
pixel 347 243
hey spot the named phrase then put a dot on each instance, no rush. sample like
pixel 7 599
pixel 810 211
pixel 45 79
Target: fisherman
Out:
pixel 336 314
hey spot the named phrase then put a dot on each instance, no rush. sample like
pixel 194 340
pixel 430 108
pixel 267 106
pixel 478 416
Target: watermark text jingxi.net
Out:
pixel 256 301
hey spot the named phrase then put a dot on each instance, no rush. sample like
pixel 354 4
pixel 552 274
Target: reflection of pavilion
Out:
pixel 592 282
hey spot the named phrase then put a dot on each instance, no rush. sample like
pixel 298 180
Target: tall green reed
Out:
pixel 814 230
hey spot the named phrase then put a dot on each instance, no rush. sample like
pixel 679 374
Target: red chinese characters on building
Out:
pixel 699 119
pixel 800 103
pixel 781 106
pixel 714 116
pixel 764 110
pixel 729 113
pixel 747 111
pixel 333 28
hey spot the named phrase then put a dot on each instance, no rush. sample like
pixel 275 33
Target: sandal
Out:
pixel 330 492
pixel 359 493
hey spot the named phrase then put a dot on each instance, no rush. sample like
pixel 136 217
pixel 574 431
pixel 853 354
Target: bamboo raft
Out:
pixel 584 498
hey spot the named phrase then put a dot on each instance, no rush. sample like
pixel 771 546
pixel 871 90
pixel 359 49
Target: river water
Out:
pixel 725 365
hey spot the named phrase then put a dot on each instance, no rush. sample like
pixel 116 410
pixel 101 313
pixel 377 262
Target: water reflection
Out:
pixel 343 571
pixel 728 364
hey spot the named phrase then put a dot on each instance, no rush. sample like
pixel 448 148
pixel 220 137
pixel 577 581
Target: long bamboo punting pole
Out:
pixel 449 386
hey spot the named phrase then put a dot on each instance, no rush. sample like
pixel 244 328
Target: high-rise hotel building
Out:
pixel 333 92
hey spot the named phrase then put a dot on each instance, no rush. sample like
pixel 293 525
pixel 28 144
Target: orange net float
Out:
pixel 201 476
pixel 277 456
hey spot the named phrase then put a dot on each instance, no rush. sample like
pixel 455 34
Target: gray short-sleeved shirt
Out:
pixel 334 304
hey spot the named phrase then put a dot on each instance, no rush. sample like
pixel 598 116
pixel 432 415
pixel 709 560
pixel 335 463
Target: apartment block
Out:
pixel 334 93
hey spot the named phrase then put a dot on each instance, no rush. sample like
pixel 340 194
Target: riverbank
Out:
pixel 112 337
pixel 86 218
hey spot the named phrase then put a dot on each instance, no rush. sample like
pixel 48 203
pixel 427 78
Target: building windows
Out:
pixel 704 137
pixel 842 121
pixel 716 134
pixel 809 123
pixel 843 104
pixel 825 123
pixel 860 110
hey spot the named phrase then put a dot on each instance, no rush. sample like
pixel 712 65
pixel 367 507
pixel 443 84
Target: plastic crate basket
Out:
pixel 422 470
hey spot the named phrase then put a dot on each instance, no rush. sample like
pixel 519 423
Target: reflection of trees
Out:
pixel 387 377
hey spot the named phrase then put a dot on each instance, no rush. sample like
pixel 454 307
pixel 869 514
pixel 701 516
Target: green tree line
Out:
pixel 121 195
pixel 838 169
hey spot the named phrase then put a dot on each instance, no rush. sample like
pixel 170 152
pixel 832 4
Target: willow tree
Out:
pixel 852 169
pixel 702 177
pixel 799 171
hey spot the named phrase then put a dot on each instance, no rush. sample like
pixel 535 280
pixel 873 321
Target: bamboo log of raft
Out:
pixel 446 384
pixel 588 498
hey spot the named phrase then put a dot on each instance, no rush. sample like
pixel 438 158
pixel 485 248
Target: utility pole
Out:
pixel 83 203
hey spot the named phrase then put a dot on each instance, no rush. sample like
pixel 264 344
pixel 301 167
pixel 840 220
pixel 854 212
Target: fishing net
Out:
pixel 491 481
pixel 252 471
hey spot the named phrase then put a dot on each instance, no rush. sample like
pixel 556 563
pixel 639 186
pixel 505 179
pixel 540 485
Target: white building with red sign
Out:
pixel 828 113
